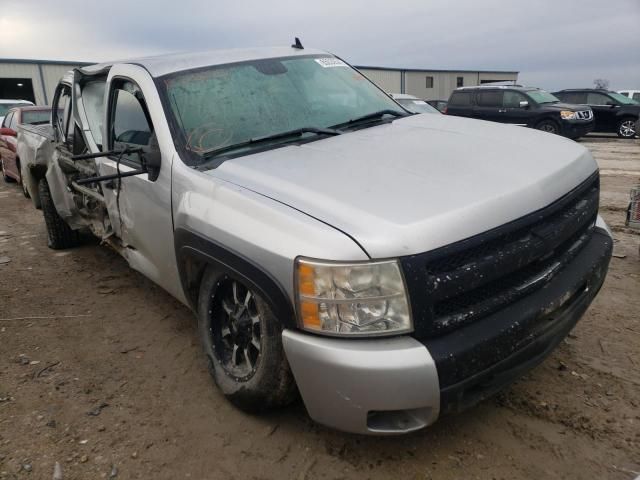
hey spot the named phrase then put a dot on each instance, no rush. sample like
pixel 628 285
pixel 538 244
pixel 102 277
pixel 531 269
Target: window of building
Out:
pixel 429 82
pixel 460 81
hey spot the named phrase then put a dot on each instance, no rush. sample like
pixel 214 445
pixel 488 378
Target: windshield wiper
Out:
pixel 268 138
pixel 373 116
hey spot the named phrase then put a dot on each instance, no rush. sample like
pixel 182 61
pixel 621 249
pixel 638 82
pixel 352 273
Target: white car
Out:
pixel 8 104
pixel 634 94
pixel 413 104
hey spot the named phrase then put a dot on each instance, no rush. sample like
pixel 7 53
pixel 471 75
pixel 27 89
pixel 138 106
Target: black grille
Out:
pixel 465 281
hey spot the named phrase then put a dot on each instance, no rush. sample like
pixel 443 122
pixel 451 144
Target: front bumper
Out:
pixel 576 128
pixel 380 386
pixel 397 385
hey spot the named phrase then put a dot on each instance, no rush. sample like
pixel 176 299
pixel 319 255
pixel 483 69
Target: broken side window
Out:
pixel 130 126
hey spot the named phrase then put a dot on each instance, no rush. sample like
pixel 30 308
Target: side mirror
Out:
pixel 9 132
pixel 152 158
pixel 524 104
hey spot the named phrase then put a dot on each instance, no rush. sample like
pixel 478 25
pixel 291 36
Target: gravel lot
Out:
pixel 101 371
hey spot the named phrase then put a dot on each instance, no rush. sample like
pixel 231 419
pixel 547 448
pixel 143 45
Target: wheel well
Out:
pixel 548 119
pixel 193 271
pixel 194 254
pixel 38 172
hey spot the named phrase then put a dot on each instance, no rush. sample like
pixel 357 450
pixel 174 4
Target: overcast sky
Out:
pixel 553 43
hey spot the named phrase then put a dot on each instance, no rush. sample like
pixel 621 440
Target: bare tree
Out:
pixel 601 83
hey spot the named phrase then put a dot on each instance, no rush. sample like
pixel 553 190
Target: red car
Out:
pixel 8 137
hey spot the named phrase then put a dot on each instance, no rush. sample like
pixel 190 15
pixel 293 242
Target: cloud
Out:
pixel 552 43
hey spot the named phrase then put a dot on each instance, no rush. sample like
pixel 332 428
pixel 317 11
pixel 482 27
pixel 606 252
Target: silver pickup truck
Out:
pixel 390 267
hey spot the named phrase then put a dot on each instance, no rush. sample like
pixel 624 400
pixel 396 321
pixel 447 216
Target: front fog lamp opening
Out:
pixel 367 298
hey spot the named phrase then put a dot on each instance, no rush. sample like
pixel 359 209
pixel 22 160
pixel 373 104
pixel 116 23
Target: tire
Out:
pixel 59 234
pixel 230 316
pixel 626 128
pixel 5 177
pixel 548 126
pixel 25 191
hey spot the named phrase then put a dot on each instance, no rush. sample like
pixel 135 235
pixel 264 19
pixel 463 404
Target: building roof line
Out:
pixel 43 62
pixel 368 67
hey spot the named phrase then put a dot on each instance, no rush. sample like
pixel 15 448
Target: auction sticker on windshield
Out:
pixel 330 62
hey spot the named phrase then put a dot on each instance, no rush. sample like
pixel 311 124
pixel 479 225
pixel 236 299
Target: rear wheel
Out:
pixel 59 234
pixel 627 128
pixel 242 340
pixel 5 177
pixel 25 191
pixel 548 126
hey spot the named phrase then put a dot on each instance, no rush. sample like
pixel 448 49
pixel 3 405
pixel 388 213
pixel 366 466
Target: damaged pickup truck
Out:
pixel 390 267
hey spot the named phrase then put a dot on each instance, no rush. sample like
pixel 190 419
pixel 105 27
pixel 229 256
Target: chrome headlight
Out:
pixel 365 298
pixel 568 115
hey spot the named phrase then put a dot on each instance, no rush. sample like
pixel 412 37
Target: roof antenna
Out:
pixel 298 44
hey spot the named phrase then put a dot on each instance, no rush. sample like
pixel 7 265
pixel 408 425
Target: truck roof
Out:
pixel 160 65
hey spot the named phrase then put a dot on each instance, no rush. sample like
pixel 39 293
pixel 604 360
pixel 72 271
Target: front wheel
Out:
pixel 242 340
pixel 548 126
pixel 627 128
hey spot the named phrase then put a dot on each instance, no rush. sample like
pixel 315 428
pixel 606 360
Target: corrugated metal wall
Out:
pixel 22 70
pixel 44 76
pixel 498 76
pixel 415 82
pixel 388 80
pixel 443 83
pixel 52 75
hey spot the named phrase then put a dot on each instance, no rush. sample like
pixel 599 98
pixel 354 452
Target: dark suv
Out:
pixel 613 112
pixel 524 106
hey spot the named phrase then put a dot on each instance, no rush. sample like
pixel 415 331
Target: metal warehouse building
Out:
pixel 431 84
pixel 33 80
pixel 36 80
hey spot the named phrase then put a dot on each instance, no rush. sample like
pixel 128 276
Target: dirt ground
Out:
pixel 101 371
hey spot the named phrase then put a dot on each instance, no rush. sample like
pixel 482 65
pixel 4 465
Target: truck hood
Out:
pixel 418 183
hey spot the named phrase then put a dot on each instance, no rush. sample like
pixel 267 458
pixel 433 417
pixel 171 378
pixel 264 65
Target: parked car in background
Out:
pixel 413 104
pixel 9 158
pixel 613 112
pixel 440 105
pixel 635 94
pixel 389 267
pixel 525 106
pixel 6 105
